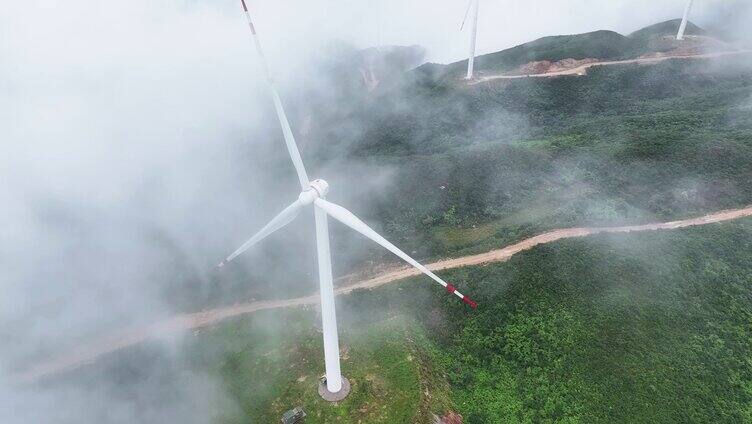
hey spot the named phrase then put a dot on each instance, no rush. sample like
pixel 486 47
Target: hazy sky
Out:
pixel 42 25
pixel 435 24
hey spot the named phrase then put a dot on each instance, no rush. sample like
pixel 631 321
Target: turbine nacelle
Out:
pixel 317 189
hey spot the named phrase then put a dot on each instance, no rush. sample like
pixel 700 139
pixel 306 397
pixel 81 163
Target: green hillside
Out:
pixel 598 44
pixel 444 169
pixel 643 328
pixel 623 144
pixel 652 328
pixel 604 45
pixel 667 28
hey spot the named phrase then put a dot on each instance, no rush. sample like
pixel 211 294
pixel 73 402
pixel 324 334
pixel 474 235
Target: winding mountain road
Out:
pixel 582 70
pixel 113 342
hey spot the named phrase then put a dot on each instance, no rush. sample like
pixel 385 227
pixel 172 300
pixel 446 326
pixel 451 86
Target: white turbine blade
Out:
pixel 279 221
pixel 467 12
pixel 292 147
pixel 348 218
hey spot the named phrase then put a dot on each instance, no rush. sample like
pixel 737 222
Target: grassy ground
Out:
pixel 640 328
pixel 651 328
pixel 273 362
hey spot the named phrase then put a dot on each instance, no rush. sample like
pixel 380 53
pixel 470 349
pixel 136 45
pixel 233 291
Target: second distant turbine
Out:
pixel 685 19
pixel 475 6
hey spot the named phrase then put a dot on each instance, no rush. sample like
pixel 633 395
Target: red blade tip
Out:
pixel 470 302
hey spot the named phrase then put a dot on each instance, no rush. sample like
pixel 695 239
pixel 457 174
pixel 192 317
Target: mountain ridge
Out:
pixel 599 44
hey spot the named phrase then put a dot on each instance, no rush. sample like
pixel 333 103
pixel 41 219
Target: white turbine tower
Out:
pixel 685 19
pixel 313 194
pixel 475 6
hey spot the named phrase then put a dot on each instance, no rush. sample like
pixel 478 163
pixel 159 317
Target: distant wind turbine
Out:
pixel 685 19
pixel 475 6
pixel 313 194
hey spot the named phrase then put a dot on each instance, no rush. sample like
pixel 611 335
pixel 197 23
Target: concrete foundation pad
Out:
pixel 334 397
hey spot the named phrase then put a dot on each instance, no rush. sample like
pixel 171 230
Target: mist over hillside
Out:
pixel 601 45
pixel 141 148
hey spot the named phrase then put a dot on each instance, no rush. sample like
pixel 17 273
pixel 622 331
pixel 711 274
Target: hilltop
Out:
pixel 577 49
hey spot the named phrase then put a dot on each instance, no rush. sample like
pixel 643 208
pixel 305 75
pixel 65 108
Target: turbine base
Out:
pixel 334 397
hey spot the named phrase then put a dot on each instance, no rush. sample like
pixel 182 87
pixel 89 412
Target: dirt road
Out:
pixel 582 70
pixel 113 342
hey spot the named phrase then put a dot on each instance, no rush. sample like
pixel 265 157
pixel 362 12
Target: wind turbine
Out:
pixel 685 19
pixel 475 5
pixel 313 194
